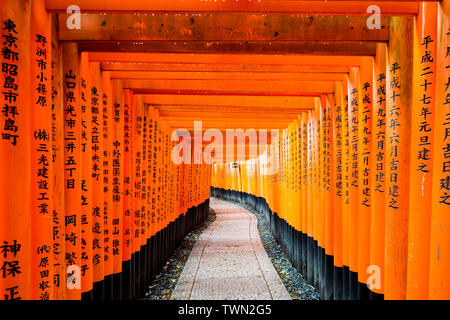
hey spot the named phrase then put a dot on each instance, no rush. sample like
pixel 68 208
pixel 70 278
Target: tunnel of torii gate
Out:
pixel 121 120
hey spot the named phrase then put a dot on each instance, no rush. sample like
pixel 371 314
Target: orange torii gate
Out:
pixel 356 187
pixel 386 168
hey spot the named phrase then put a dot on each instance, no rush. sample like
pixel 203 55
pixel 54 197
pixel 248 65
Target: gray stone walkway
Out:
pixel 228 262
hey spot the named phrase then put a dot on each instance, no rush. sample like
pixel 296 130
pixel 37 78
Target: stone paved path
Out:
pixel 228 262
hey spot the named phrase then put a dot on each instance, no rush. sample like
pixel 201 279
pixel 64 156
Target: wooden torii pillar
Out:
pixel 439 281
pixel 42 165
pixel 15 151
pixel 72 173
pixel 399 80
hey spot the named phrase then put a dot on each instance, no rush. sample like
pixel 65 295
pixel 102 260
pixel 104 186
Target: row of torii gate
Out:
pixel 94 97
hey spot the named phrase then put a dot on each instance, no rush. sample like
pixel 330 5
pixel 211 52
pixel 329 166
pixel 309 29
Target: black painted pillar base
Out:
pixel 338 274
pixel 353 285
pixel 305 254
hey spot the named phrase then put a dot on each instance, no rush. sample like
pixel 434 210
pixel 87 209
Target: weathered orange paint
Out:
pixel 117 160
pixel 398 137
pixel 439 281
pixel 421 167
pixel 108 208
pixel 15 185
pixel 354 103
pixel 86 176
pixel 42 262
pixel 98 148
pixel 72 160
pixel 297 7
pixel 378 169
pixel 337 186
pixel 128 215
pixel 364 167
pixel 57 138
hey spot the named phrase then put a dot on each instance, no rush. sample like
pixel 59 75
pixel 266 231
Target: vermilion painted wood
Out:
pixel 117 168
pixel 220 27
pixel 108 138
pixel 337 48
pixel 398 111
pixel 289 7
pixel 15 186
pixel 378 170
pixel 58 165
pixel 128 196
pixel 221 67
pixel 306 60
pixel 337 177
pixel 177 75
pixel 365 155
pixel 353 105
pixel 86 174
pixel 439 285
pixel 241 87
pixel 329 177
pixel 99 147
pixel 346 180
pixel 72 160
pixel 42 285
pixel 219 102
pixel 421 168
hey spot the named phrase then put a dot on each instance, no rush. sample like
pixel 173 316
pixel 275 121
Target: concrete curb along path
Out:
pixel 229 262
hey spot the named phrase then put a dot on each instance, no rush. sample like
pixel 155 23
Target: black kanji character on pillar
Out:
pixel 426 41
pixel 41 39
pixel 10 268
pixel 9 26
pixel 12 293
pixel 13 248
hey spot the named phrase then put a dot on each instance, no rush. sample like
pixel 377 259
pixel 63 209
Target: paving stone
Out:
pixel 229 262
pixel 238 288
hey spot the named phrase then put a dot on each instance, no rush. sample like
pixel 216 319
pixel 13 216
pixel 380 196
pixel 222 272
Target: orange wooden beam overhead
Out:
pixel 267 6
pixel 250 59
pixel 222 27
pixel 230 87
pixel 261 135
pixel 219 101
pixel 231 124
pixel 235 122
pixel 220 67
pixel 239 146
pixel 206 115
pixel 237 47
pixel 295 76
pixel 167 110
